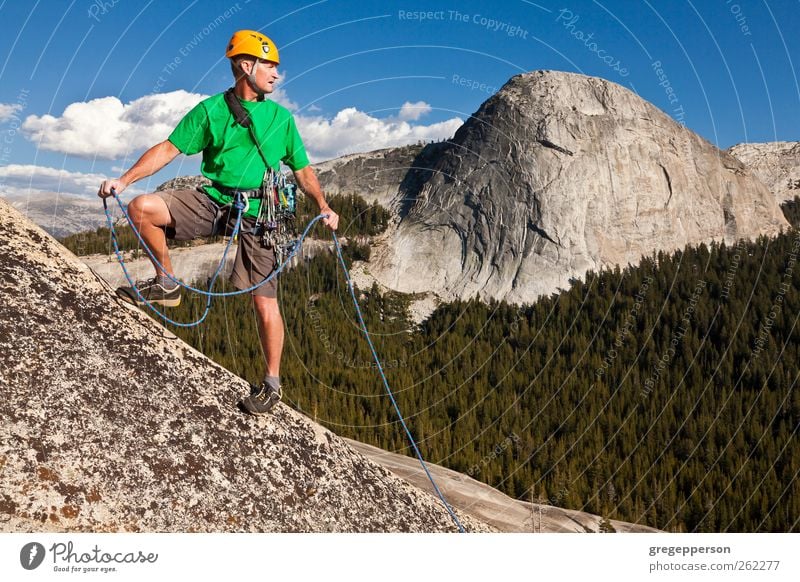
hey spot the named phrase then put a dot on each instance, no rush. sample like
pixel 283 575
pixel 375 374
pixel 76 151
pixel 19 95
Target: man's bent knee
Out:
pixel 149 209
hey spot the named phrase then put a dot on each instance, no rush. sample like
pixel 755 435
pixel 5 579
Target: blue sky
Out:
pixel 86 86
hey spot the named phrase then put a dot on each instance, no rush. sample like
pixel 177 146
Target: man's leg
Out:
pixel 150 215
pixel 270 331
pixel 252 265
pixel 176 214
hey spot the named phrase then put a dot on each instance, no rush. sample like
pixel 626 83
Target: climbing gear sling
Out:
pixel 276 221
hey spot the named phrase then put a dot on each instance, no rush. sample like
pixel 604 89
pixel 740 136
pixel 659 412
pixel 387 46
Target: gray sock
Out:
pixel 166 282
pixel 273 381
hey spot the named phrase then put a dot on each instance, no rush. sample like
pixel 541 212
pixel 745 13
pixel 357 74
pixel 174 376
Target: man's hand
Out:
pixel 332 221
pixel 105 188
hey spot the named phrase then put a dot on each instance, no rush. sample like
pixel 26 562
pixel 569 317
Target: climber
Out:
pixel 236 158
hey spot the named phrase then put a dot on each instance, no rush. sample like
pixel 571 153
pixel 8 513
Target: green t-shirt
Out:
pixel 230 157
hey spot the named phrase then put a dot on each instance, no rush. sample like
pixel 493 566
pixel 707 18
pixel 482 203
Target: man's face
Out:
pixel 266 75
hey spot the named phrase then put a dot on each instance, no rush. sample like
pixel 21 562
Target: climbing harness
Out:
pixel 239 204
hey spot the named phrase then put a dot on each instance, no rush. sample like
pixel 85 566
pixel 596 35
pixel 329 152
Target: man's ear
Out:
pixel 246 66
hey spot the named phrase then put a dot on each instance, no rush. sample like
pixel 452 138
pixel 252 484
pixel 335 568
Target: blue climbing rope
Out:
pixel 386 385
pixel 239 206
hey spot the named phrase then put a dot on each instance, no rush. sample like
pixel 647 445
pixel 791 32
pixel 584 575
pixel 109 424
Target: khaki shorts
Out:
pixel 196 216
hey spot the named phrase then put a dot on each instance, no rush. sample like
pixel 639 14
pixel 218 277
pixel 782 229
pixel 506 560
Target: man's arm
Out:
pixel 151 162
pixel 307 180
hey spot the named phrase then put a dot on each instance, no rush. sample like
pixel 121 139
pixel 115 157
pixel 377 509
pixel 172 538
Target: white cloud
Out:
pixel 279 96
pixel 354 131
pixel 413 111
pixel 26 179
pixel 107 128
pixel 7 110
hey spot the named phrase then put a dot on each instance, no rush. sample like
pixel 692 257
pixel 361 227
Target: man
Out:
pixel 233 162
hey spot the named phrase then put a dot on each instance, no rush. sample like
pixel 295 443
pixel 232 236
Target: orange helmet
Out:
pixel 255 44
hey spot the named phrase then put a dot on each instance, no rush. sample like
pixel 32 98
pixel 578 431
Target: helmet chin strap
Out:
pixel 251 80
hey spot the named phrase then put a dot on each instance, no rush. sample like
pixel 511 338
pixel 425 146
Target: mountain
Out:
pixel 556 174
pixel 375 176
pixel 61 214
pixel 110 423
pixel 777 164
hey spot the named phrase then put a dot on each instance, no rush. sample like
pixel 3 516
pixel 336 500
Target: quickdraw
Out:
pixel 276 224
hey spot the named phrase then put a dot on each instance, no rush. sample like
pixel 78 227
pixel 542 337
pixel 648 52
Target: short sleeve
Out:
pixel 295 157
pixel 192 134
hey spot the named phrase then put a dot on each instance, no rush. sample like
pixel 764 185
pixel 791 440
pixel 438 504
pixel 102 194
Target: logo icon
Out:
pixel 31 555
pixel 265 47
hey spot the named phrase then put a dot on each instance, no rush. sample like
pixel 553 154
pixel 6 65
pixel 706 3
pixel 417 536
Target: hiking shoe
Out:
pixel 263 399
pixel 153 291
